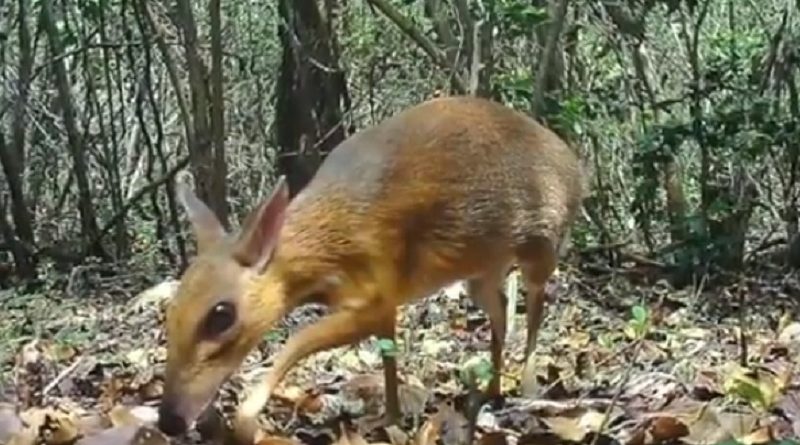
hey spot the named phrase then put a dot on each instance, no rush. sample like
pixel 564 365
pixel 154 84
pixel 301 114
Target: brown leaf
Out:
pixel 413 396
pixel 310 403
pixel 34 366
pixel 396 435
pixel 126 435
pixel 276 440
pixel 790 405
pixel 151 390
pixel 737 424
pixel 364 390
pixel 59 428
pixel 452 425
pixel 667 429
pixel 706 386
pixel 429 433
pixel 760 436
pixel 53 426
pixel 493 438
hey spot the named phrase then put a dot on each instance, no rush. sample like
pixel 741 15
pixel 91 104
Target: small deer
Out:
pixel 454 188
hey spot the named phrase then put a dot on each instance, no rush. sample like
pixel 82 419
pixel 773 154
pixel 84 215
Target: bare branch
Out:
pixel 423 41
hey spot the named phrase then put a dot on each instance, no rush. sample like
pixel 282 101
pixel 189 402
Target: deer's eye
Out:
pixel 219 319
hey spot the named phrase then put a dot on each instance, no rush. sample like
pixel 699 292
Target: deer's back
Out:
pixel 452 180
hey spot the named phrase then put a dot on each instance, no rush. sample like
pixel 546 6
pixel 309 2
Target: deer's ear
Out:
pixel 259 235
pixel 207 228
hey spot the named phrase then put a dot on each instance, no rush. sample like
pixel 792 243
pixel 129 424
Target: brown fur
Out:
pixel 454 188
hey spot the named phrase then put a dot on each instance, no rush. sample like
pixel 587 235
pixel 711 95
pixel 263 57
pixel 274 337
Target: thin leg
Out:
pixel 485 292
pixel 337 329
pixel 393 413
pixel 538 266
pixel 391 388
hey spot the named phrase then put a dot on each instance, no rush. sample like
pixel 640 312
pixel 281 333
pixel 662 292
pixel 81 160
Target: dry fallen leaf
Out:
pixel 34 366
pixel 665 429
pixel 52 426
pixel 760 436
pixel 452 425
pixel 493 438
pixel 396 435
pixel 413 396
pixel 575 424
pixel 790 335
pixel 428 434
pixel 566 428
pixel 350 437
pixel 276 440
pixel 122 415
pixel 60 429
pixel 126 435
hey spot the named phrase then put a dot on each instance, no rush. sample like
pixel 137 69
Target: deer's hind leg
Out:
pixel 486 293
pixel 538 259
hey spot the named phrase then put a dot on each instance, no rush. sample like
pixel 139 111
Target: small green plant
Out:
pixel 639 323
pixel 476 372
pixel 761 391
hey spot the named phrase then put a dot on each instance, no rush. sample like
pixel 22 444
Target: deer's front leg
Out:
pixel 343 327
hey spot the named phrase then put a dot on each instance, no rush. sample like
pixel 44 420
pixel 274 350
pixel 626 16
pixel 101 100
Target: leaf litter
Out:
pixel 88 371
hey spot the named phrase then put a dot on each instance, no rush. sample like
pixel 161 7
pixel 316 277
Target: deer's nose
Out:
pixel 169 422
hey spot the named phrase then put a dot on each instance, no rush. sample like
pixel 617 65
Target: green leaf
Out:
pixel 476 371
pixel 639 314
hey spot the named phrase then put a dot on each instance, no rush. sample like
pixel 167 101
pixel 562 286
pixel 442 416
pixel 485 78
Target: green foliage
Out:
pixel 515 87
pixel 571 115
pixel 477 372
pixel 639 323
pixel 517 17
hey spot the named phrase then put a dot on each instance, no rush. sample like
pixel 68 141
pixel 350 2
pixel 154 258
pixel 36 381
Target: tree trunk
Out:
pixel 89 228
pixel 546 71
pixel 13 157
pixel 218 110
pixel 208 166
pixel 310 96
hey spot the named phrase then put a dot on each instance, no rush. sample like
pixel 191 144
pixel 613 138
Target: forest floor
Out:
pixel 617 362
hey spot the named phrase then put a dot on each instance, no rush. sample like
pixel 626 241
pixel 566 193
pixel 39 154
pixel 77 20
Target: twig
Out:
pixel 625 378
pixel 572 372
pixel 408 28
pixel 556 405
pixel 61 376
pixel 742 323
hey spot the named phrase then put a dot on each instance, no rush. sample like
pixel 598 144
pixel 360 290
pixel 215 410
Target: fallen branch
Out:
pixel 61 376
